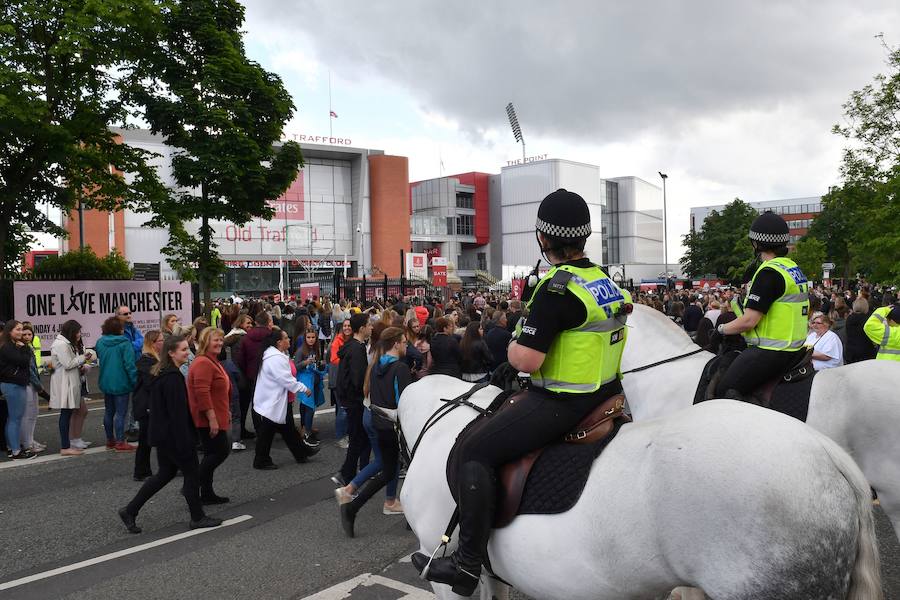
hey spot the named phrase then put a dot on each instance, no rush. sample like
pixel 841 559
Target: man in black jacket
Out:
pixel 352 374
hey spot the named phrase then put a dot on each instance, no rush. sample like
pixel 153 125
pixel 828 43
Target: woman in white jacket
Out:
pixel 270 402
pixel 65 382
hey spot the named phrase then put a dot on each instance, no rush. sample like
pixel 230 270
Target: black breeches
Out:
pixel 753 367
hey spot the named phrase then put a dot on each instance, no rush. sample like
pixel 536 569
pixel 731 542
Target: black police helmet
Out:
pixel 894 314
pixel 769 231
pixel 564 215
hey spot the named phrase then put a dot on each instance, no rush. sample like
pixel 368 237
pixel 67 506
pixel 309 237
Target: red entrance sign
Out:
pixel 439 275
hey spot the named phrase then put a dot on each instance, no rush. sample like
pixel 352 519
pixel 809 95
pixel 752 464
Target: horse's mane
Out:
pixel 665 328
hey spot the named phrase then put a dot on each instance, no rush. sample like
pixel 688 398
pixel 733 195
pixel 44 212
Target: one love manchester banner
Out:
pixel 49 304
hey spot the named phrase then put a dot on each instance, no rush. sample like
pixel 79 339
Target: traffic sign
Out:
pixel 827 266
pixel 146 271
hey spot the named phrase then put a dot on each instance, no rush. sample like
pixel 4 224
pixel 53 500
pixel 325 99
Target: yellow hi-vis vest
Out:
pixel 887 338
pixel 784 327
pixel 36 347
pixel 583 359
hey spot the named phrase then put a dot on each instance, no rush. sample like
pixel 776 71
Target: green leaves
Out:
pixel 84 264
pixel 809 254
pixel 223 114
pixel 721 247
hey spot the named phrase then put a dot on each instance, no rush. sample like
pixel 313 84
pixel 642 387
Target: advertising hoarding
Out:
pixel 49 304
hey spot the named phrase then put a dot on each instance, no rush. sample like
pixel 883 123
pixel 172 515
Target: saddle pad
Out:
pixel 556 479
pixel 559 476
pixel 792 399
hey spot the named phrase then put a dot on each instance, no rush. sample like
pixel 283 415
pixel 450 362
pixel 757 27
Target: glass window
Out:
pixel 465 200
pixel 465 225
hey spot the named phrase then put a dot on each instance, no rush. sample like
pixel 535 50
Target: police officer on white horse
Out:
pixel 773 318
pixel 571 343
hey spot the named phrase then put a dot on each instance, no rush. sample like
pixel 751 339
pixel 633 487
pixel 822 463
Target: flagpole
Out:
pixel 330 119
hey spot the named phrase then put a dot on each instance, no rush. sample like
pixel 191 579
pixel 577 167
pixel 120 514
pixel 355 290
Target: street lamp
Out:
pixel 665 250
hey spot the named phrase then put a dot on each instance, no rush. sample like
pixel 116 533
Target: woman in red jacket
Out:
pixel 209 395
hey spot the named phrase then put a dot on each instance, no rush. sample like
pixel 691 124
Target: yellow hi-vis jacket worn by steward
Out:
pixel 784 326
pixel 884 336
pixel 583 359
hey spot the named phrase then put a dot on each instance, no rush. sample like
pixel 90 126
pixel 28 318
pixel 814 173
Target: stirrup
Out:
pixel 423 574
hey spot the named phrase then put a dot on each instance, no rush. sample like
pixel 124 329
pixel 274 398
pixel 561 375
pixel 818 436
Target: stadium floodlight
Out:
pixel 516 129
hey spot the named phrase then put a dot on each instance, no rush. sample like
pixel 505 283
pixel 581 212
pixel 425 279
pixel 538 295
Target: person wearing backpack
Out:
pixel 354 362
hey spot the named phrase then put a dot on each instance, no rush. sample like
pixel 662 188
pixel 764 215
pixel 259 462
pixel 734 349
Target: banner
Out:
pixel 49 304
pixel 309 291
pixel 515 289
pixel 416 265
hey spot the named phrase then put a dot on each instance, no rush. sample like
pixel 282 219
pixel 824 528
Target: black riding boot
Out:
pixel 462 569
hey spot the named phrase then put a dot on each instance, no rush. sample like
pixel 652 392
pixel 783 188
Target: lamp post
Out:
pixel 665 238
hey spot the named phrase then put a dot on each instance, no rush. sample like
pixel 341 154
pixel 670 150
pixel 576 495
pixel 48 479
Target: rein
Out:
pixel 666 361
pixel 441 412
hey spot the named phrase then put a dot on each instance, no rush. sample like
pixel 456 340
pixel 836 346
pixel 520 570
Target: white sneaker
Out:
pixel 343 443
pixel 36 446
pixel 238 446
pixel 79 443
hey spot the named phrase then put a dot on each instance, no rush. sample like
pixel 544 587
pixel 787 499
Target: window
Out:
pixel 465 225
pixel 465 200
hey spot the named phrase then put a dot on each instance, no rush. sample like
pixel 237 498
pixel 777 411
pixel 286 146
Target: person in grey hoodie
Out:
pixel 118 377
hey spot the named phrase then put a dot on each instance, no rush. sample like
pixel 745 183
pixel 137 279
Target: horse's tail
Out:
pixel 865 579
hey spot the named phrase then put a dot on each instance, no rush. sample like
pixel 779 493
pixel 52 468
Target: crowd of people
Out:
pixel 198 392
pixel 837 318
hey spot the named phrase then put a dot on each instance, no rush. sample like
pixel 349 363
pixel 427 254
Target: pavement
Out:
pixel 60 536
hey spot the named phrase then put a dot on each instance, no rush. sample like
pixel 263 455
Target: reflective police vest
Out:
pixel 887 338
pixel 784 326
pixel 583 359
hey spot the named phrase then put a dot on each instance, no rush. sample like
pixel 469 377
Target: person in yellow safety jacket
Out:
pixel 35 345
pixel 215 315
pixel 883 328
pixel 571 343
pixel 773 317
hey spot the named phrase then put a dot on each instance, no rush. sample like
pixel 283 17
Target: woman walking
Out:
pixel 270 402
pixel 118 376
pixel 153 344
pixel 172 434
pixel 209 397
pixel 240 388
pixel 15 376
pixel 334 361
pixel 67 361
pixel 387 377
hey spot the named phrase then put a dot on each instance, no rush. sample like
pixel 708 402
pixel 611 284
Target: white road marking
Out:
pixel 48 458
pixel 56 414
pixel 114 555
pixel 344 589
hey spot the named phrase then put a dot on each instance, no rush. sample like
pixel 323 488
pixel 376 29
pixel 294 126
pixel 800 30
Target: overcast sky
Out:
pixel 730 99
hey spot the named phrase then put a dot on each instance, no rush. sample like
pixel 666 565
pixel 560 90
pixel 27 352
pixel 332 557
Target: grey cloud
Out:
pixel 597 70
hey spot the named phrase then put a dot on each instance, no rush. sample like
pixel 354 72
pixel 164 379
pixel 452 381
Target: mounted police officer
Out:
pixel 773 317
pixel 883 328
pixel 571 343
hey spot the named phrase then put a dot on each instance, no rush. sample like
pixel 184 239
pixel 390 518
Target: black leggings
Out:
pixel 169 465
pixel 215 451
pixel 530 420
pixel 265 433
pixel 390 463
pixel 360 448
pixel 753 367
pixel 142 454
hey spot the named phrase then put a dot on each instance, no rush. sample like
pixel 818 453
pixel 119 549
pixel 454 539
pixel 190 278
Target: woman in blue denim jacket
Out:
pixel 311 371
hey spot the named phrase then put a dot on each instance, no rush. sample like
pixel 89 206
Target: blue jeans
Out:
pixel 377 464
pixel 15 402
pixel 116 405
pixel 340 421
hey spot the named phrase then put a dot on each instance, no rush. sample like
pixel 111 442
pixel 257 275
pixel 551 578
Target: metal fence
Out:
pixel 362 288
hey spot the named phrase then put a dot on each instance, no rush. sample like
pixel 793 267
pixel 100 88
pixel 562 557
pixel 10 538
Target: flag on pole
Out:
pixel 333 115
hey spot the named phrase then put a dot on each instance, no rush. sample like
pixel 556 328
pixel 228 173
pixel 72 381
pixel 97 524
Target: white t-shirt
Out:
pixel 829 345
pixel 713 315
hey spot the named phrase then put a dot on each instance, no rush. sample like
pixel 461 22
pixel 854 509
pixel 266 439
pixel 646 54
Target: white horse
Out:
pixel 766 507
pixel 857 405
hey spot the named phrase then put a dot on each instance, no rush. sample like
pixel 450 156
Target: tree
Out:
pixel 84 264
pixel 863 211
pixel 223 114
pixel 721 246
pixel 809 254
pixel 60 67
